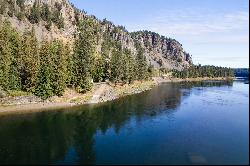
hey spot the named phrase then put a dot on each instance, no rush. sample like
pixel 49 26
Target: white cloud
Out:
pixel 239 39
pixel 218 38
pixel 189 22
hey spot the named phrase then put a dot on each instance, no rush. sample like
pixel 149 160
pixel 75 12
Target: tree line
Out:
pixel 195 71
pixel 46 69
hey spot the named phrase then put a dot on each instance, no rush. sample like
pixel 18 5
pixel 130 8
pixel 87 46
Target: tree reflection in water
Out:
pixel 68 135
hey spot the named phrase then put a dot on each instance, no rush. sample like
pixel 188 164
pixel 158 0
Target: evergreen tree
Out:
pixel 69 61
pixel 85 47
pixel 46 16
pixel 128 67
pixel 45 12
pixel 5 55
pixel 20 3
pixel 116 66
pixel 106 52
pixel 11 8
pixel 3 6
pixel 44 88
pixel 35 14
pixel 10 57
pixel 98 69
pixel 29 61
pixel 14 75
pixel 57 17
pixel 60 66
pixel 141 64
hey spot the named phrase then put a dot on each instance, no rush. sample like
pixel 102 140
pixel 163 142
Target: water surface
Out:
pixel 175 123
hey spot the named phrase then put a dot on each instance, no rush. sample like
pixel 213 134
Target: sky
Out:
pixel 214 32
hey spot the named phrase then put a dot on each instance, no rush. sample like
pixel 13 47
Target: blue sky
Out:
pixel 215 32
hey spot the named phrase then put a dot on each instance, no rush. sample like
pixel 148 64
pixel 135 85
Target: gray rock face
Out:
pixel 161 52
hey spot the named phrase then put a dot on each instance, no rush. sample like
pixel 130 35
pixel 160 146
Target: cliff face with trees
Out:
pixel 46 68
pixel 48 45
pixel 58 19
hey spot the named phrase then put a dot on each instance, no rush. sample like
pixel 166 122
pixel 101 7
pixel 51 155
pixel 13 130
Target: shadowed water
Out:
pixel 175 123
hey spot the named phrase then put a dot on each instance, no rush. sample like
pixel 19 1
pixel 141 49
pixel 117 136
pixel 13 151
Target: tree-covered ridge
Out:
pixel 60 19
pixel 196 71
pixel 47 12
pixel 46 69
pixel 100 51
pixel 38 12
pixel 156 35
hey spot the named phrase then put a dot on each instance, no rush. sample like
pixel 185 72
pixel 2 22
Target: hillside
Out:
pixel 49 48
pixel 59 19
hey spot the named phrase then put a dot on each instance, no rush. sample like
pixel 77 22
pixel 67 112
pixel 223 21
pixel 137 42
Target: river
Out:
pixel 174 123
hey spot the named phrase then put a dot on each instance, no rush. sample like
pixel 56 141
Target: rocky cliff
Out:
pixel 58 19
pixel 162 51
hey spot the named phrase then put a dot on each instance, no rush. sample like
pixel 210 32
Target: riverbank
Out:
pixel 101 92
pixel 160 80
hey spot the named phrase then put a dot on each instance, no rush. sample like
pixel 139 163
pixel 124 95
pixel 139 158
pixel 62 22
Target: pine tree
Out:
pixel 106 52
pixel 3 6
pixel 85 47
pixel 30 61
pixel 69 61
pixel 116 66
pixel 129 67
pixel 44 87
pixel 5 55
pixel 14 75
pixel 60 66
pixel 141 64
pixel 98 69
pixel 46 16
pixel 11 8
pixel 10 58
pixel 45 12
pixel 35 14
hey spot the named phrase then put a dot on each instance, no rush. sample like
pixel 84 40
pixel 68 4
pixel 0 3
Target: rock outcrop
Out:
pixel 163 52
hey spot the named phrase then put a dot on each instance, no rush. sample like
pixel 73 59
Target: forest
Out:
pixel 46 69
pixel 195 71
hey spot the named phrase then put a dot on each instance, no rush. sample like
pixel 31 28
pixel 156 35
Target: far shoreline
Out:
pixel 49 106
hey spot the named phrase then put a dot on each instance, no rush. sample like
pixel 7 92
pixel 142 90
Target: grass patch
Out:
pixel 15 93
pixel 80 100
pixel 133 88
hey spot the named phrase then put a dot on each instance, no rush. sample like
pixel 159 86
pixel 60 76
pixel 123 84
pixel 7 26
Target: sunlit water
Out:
pixel 175 123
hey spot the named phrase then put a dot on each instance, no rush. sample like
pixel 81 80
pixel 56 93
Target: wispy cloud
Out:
pixel 239 39
pixel 211 36
pixel 189 22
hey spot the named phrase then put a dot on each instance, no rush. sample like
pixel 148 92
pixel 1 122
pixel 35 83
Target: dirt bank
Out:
pixel 101 92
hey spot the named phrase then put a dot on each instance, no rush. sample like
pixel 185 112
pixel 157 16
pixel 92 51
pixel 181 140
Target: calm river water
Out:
pixel 175 123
